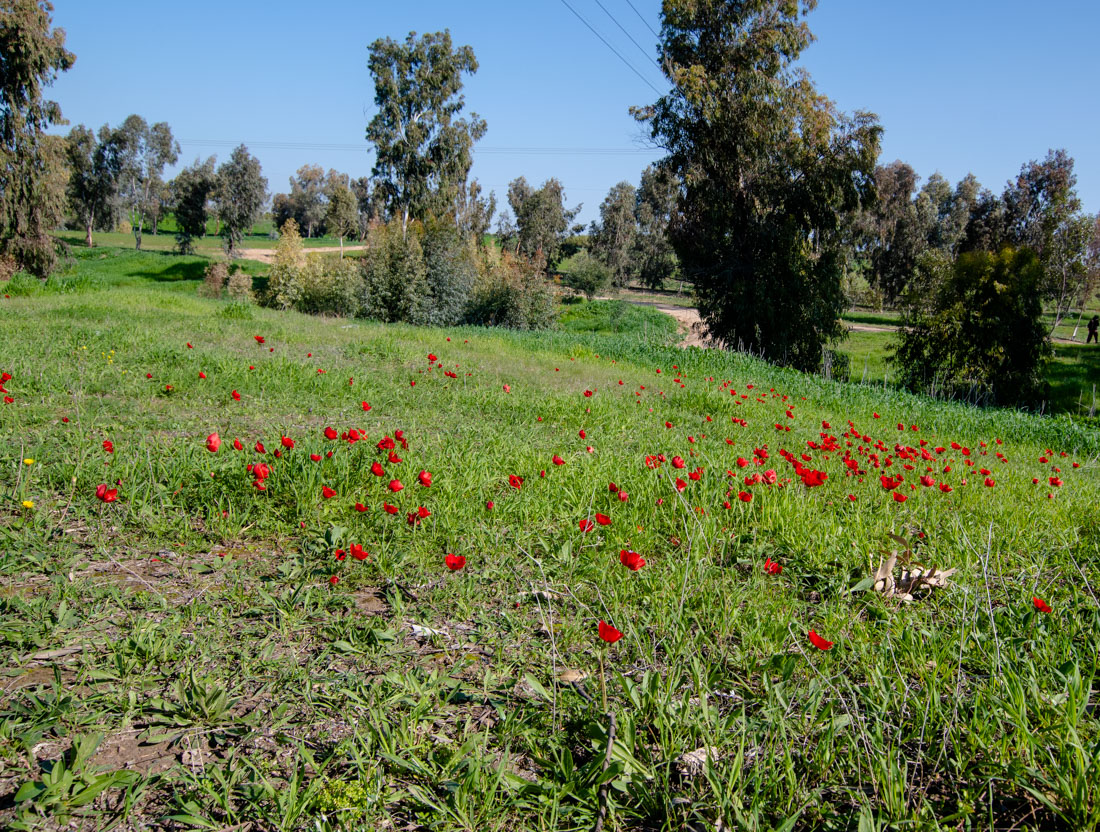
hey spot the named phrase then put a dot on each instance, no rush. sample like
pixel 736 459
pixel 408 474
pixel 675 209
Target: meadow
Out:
pixel 269 571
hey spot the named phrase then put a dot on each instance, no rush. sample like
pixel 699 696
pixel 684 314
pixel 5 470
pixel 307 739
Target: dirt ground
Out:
pixel 267 255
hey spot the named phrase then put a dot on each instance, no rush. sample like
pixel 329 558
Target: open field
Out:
pixel 202 653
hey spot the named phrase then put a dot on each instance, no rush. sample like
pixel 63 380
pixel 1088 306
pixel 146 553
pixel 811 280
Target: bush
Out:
pixel 330 286
pixel 450 270
pixel 510 291
pixel 588 275
pixel 240 286
pixel 213 281
pixel 284 282
pixel 973 327
pixel 394 273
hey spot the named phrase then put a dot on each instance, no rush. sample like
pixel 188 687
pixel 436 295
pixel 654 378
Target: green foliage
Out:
pixel 653 255
pixel 587 274
pixel 395 275
pixel 342 215
pixel 542 221
pixel 510 291
pixel 768 166
pixel 191 191
pixel 144 150
pixel 450 271
pixel 33 169
pixel 973 327
pixel 330 285
pixel 617 317
pixel 240 195
pixel 613 237
pixel 283 287
pixel 422 150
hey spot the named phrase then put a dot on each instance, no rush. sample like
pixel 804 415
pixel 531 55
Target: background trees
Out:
pixel 769 167
pixel 241 193
pixel 422 150
pixel 656 205
pixel 94 169
pixel 191 191
pixel 144 151
pixel 33 170
pixel 542 221
pixel 613 236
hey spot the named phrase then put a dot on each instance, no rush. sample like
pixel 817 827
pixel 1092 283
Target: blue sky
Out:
pixel 959 86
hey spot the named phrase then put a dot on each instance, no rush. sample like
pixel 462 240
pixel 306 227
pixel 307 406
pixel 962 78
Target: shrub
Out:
pixel 284 283
pixel 240 286
pixel 974 328
pixel 394 273
pixel 450 271
pixel 331 286
pixel 213 281
pixel 510 291
pixel 8 267
pixel 588 275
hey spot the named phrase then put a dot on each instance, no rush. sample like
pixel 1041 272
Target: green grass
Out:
pixel 180 659
pixel 211 245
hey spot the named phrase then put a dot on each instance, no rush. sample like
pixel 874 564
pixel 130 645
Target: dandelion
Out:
pixel 28 504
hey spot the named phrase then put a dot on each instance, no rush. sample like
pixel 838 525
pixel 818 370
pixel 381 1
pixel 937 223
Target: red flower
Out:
pixel 327 492
pixel 366 407
pixel 744 496
pixel 377 469
pixel 507 389
pixel 213 442
pixel 395 486
pixel 489 505
pixel 315 457
pixel 107 495
pixel 990 482
pixel 333 580
pixel 818 642
pixel 603 519
pixel 557 460
pixel 771 567
pixel 588 394
pixel 1041 605
pixel 609 633
pixel 586 526
pixel 287 442
pixel 631 560
pixel 394 458
pixel 339 554
pixel 202 374
pixel 425 479
pixel 108 446
pixel 260 449
pixel 360 507
pixel 236 396
pixel 668 424
pixel 899 497
pixel 388 508
pixel 259 339
pixel 237 446
pixel 455 562
pixel 612 488
pixel 680 484
pixel 515 481
pixel 582 434
pixel 1056 482
pixel 945 488
pixel 8 400
pixel 623 496
pixel 330 433
pixel 432 357
pixel 260 471
pixel 927 481
pixel 677 462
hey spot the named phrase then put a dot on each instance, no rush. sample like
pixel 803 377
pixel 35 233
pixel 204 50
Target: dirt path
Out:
pixel 267 255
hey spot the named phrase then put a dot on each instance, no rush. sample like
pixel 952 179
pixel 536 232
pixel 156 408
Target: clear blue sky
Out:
pixel 959 85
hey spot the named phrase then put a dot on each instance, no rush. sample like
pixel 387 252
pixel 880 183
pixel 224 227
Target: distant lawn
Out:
pixel 210 245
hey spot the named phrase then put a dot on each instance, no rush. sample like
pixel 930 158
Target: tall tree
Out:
pixel 769 168
pixel 307 197
pixel 474 212
pixel 654 209
pixel 94 168
pixel 145 151
pixel 542 220
pixel 613 236
pixel 32 164
pixel 191 191
pixel 422 149
pixel 241 193
pixel 342 216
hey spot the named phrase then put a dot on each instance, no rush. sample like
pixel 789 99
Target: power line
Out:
pixel 363 148
pixel 646 22
pixel 609 46
pixel 648 57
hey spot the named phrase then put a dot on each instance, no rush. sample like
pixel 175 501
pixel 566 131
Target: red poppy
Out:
pixel 818 642
pixel 582 434
pixel 514 481
pixel 507 389
pixel 607 632
pixel 588 394
pixel 330 433
pixel 236 396
pixel 927 481
pixel 586 526
pixel 213 442
pixel 394 458
pixel 945 488
pixel 339 554
pixel 260 449
pixel 377 469
pixel 202 374
pixel 395 486
pixel 455 562
pixel 668 424
pixel 744 496
pixel 261 471
pixel 287 442
pixel 107 495
pixel 631 560
pixel 388 508
pixel 366 407
pixel 771 567
pixel 259 339
pixel 334 580
pixel 360 507
pixel 1056 482
pixel 680 484
pixel 603 519
pixel 489 505
pixel 677 462
pixel 327 492
pixel 1041 605
pixel 612 488
pixel 990 482
pixel 899 497
pixel 108 446
pixel 425 478
pixel 432 357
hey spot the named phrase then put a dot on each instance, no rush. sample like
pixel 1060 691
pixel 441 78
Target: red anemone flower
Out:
pixel 557 460
pixel 395 486
pixel 358 552
pixel 213 442
pixel 603 519
pixel 360 507
pixel 680 484
pixel 287 442
pixel 514 481
pixel 771 567
pixel 315 457
pixel 202 374
pixel 588 394
pixel 377 469
pixel 586 526
pixel 260 449
pixel 107 495
pixel 899 497
pixel 327 492
pixel 425 478
pixel 744 496
pixel 366 407
pixel 631 560
pixel 455 562
pixel 236 396
pixel 108 446
pixel 818 642
pixel 388 508
pixel 259 339
pixel 609 633
pixel 1040 604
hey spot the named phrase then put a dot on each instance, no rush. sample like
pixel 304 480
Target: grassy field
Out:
pixel 210 246
pixel 278 636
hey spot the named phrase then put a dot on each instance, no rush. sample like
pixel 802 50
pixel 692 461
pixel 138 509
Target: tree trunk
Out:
pixel 341 248
pixel 88 234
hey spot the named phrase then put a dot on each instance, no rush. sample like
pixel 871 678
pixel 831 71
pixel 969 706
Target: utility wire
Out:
pixel 503 150
pixel 609 46
pixel 646 22
pixel 641 49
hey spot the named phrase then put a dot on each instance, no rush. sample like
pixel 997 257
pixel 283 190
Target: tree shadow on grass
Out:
pixel 1072 377
pixel 174 272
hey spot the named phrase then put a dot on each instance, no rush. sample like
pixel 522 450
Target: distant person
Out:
pixel 1094 325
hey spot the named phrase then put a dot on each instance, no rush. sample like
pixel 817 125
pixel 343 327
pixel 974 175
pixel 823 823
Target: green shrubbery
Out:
pixel 430 275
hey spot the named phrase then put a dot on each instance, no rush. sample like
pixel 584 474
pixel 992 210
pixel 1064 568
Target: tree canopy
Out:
pixel 241 193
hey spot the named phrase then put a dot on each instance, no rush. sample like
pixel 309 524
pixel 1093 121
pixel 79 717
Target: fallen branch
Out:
pixel 601 814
